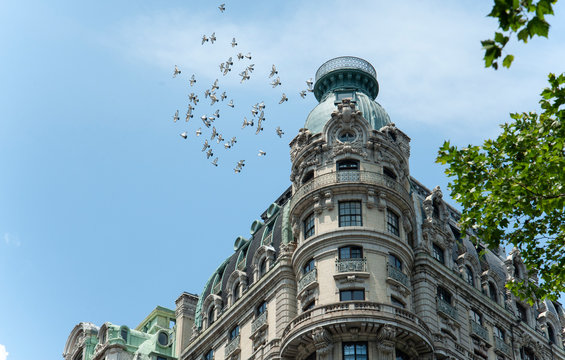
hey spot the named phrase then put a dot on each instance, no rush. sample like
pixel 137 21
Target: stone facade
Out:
pixel 358 260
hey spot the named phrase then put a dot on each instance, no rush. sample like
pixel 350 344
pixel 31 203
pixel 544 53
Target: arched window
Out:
pixel 492 291
pixel 309 266
pixel 236 291
pixel 263 267
pixel 551 334
pixel 124 334
pixel 211 315
pixel 469 276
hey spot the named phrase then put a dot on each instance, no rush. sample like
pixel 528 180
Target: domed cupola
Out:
pixel 346 77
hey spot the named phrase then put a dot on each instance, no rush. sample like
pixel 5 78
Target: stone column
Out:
pixel 286 293
pixel 185 314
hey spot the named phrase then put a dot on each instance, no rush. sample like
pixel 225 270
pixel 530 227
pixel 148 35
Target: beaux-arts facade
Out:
pixel 356 260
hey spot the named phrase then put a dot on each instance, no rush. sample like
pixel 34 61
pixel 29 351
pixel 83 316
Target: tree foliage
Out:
pixel 512 190
pixel 525 18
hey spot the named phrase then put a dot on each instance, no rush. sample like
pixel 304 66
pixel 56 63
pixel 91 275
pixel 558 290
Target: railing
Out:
pixel 364 308
pixel 347 265
pixel 348 176
pixel 398 275
pixel 259 322
pixel 345 62
pixel 502 346
pixel 478 330
pixel 307 279
pixel 232 346
pixel 446 308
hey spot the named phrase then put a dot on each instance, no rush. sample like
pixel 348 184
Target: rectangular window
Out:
pixel 309 226
pixel 350 213
pixel 351 252
pixel 355 351
pixel 234 332
pixel 356 294
pixel 522 313
pixel 438 254
pixel 392 223
pixel 444 295
pixel 209 355
pixel 476 317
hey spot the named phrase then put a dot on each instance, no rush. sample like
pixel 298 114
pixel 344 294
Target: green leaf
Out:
pixel 537 26
pixel 508 61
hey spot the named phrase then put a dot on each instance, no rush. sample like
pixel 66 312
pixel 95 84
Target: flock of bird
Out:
pixel 257 117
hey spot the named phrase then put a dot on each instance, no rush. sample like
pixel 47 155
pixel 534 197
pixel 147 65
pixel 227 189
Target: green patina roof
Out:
pixel 343 77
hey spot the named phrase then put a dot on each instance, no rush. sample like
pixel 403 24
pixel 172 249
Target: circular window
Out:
pixel 163 338
pixel 346 136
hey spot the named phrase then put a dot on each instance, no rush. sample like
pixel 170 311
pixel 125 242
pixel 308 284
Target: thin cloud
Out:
pixel 11 240
pixel 3 352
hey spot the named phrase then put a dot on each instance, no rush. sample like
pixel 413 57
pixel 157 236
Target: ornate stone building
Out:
pixel 356 260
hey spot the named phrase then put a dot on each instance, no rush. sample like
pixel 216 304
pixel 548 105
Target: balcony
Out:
pixel 345 177
pixel 259 323
pixel 478 330
pixel 308 278
pixel 232 347
pixel 396 274
pixel 351 265
pixel 446 308
pixel 501 347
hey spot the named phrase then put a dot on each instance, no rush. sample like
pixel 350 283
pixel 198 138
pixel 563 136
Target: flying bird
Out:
pixel 213 98
pixel 261 153
pixel 215 162
pixel 280 133
pixel 303 94
pixel 250 67
pixel 217 113
pixel 189 113
pixel 204 39
pixel 176 72
pixel 223 96
pixel 199 131
pixel 259 128
pixel 261 105
pixel 215 85
pixel 248 56
pixel 276 82
pixel 244 76
pixel 236 170
pixel 227 145
pixel 309 82
pixel 209 153
pixel 184 135
pixel 230 104
pixel 220 138
pixel 240 56
pixel 261 116
pixel 214 133
pixel 233 141
pixel 205 146
pixel 222 7
pixel 240 164
pixel 229 61
pixel 273 71
pixel 213 37
pixel 192 80
pixel 206 93
pixel 283 98
pixel 176 116
pixel 233 43
pixel 246 123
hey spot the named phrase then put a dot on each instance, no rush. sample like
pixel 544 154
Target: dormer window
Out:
pixel 344 95
pixel 346 136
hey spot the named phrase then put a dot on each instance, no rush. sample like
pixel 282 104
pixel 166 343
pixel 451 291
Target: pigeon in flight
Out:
pixel 250 68
pixel 206 93
pixel 213 98
pixel 261 153
pixel 222 7
pixel 223 96
pixel 244 76
pixel 192 80
pixel 230 104
pixel 248 56
pixel 205 146
pixel 303 94
pixel 213 37
pixel 204 39
pixel 246 123
pixel 259 128
pixel 215 85
pixel 214 133
pixel 199 132
pixel 184 135
pixel 176 116
pixel 176 72
pixel 209 153
pixel 215 162
pixel 309 82
pixel 227 145
pixel 261 116
pixel 236 170
pixel 280 133
pixel 240 164
pixel 220 138
pixel 240 56
pixel 261 105
pixel 233 43
pixel 217 113
pixel 189 113
pixel 283 98
pixel 273 71
pixel 276 82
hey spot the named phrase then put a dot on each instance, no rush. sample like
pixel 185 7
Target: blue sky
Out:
pixel 106 212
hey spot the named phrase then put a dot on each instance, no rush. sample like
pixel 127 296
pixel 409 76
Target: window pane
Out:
pixel 350 213
pixel 345 295
pixel 358 295
pixel 309 226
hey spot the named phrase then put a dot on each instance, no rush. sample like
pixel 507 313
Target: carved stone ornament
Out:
pixel 322 340
pixel 386 332
pixel 346 113
pixel 299 142
pixel 347 149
